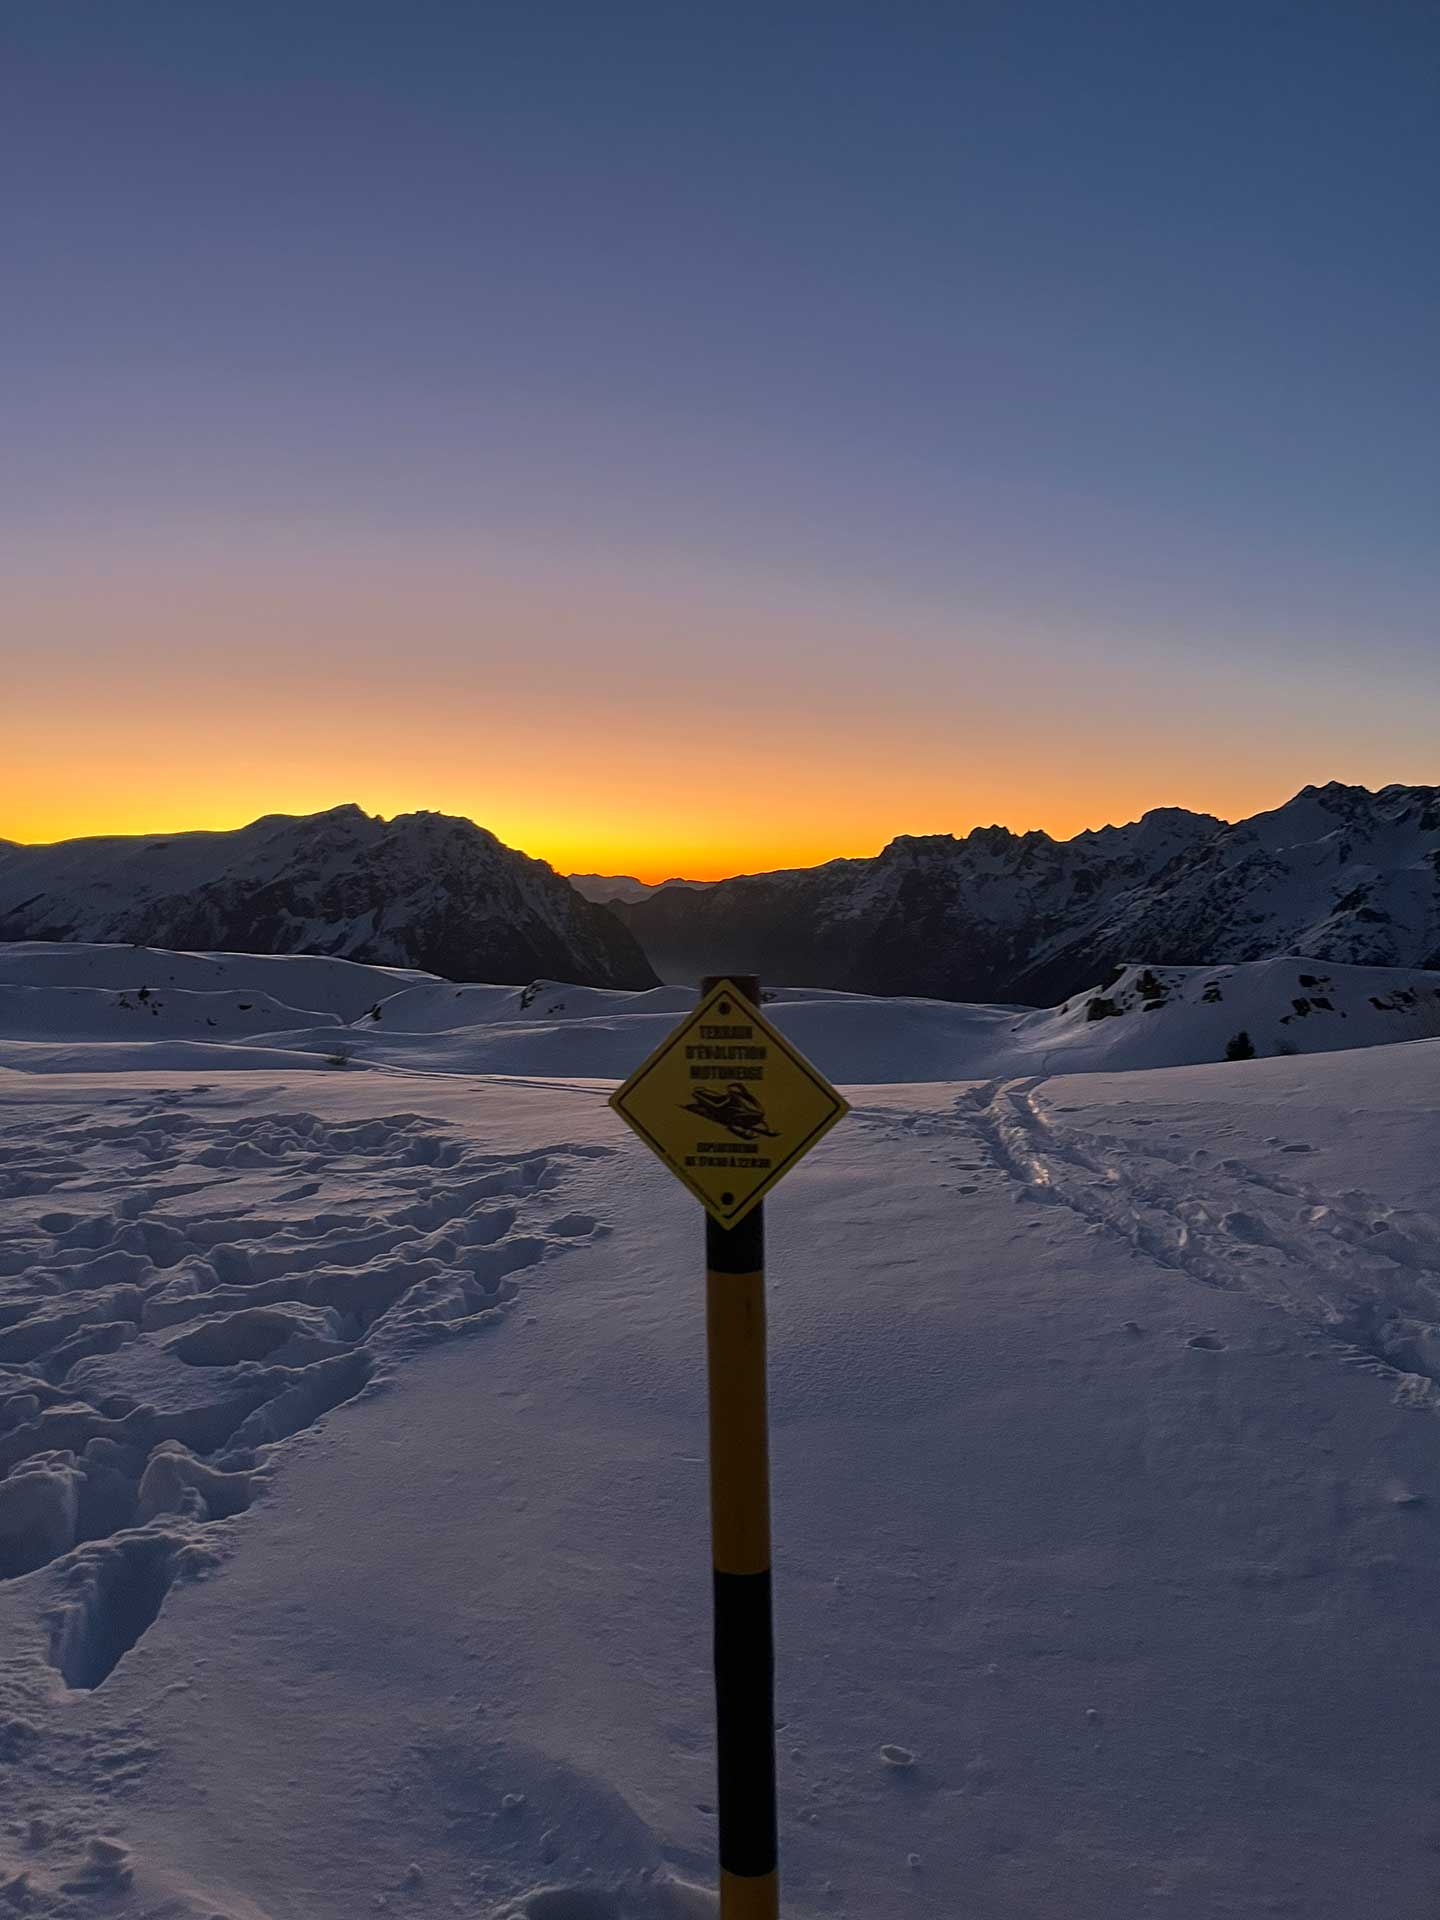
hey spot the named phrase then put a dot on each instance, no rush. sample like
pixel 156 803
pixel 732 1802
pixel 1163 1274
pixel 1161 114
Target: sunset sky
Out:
pixel 695 439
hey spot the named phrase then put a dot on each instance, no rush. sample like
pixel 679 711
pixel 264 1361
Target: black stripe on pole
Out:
pixel 744 1695
pixel 736 1249
pixel 744 1629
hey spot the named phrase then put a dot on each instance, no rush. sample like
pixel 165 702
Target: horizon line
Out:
pixel 602 872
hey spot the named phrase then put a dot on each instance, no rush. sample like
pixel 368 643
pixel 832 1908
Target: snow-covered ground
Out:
pixel 79 1008
pixel 353 1540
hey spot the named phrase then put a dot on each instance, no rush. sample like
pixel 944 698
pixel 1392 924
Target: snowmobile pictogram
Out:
pixel 736 1109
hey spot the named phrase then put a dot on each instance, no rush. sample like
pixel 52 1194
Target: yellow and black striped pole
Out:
pixel 740 1532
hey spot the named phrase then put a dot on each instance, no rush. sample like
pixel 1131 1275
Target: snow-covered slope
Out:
pixel 421 890
pixel 1339 874
pixel 353 1549
pixel 70 1013
pixel 1179 1016
pixel 56 999
pixel 1147 1017
pixel 307 982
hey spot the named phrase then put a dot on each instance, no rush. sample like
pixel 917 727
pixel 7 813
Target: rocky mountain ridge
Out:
pixel 422 890
pixel 1338 873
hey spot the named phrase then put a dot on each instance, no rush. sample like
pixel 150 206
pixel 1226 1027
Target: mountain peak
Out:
pixel 1179 817
pixel 424 890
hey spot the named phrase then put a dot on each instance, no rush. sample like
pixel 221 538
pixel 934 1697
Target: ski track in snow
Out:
pixel 1364 1274
pixel 156 1346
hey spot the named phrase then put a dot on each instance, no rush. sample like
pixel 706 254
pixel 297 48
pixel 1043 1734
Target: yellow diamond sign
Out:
pixel 728 1104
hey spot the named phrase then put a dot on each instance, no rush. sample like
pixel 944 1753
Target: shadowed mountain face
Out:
pixel 422 890
pixel 1339 873
pixel 609 887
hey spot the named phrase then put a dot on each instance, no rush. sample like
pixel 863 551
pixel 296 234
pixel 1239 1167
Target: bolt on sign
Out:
pixel 728 1104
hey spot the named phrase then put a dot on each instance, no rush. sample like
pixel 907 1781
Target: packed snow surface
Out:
pixel 353 1547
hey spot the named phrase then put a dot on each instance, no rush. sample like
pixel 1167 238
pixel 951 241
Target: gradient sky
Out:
pixel 694 438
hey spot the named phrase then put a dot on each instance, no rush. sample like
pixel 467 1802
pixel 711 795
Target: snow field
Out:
pixel 314 982
pixel 1146 1017
pixel 353 1540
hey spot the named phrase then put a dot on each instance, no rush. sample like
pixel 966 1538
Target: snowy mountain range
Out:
pixel 1337 874
pixel 421 890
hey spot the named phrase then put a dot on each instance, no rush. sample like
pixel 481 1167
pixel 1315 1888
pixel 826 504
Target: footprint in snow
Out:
pixel 572 1903
pixel 575 1226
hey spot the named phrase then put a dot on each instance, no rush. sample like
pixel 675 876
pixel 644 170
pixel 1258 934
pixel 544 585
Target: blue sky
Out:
pixel 1097 338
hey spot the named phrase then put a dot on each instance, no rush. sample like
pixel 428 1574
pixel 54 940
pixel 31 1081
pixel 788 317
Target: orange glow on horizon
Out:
pixel 568 852
pixel 605 791
pixel 576 832
pixel 615 843
pixel 659 734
